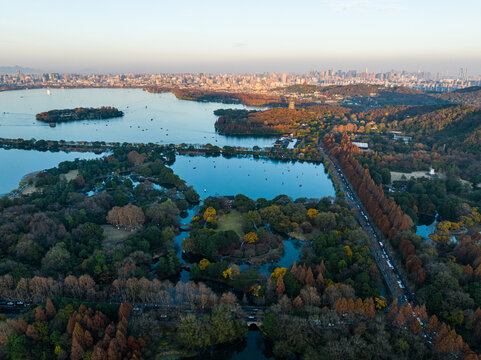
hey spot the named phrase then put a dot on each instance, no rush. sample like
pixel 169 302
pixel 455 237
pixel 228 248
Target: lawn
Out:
pixel 231 221
pixel 114 235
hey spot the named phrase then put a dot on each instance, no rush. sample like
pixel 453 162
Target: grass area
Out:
pixel 231 221
pixel 71 175
pixel 114 235
pixel 30 190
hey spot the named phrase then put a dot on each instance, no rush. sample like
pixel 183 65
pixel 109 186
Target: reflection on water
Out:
pixel 157 118
pixel 255 178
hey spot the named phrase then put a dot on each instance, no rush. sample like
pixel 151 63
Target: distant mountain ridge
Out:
pixel 13 69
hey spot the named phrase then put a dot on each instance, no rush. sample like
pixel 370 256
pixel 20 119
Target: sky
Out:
pixel 241 36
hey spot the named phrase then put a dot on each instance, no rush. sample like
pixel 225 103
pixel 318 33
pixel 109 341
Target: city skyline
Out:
pixel 248 37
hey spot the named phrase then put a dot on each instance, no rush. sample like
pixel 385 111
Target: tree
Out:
pixel 125 309
pixel 251 221
pixel 251 237
pixel 280 287
pixel 129 216
pixel 312 213
pixel 297 303
pixel 39 314
pixel 243 203
pixel 99 353
pixel 209 214
pixel 57 260
pixel 163 214
pixel 325 221
pixel 50 309
pixel 135 158
pixel 113 351
pixel 203 264
pixel 77 342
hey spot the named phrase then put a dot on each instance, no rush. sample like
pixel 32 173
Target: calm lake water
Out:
pixel 15 164
pixel 255 178
pixel 157 118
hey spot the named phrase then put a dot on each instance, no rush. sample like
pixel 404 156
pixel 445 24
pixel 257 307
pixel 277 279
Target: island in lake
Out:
pixel 64 115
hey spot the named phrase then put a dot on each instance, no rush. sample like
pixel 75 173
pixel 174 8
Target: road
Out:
pixel 379 247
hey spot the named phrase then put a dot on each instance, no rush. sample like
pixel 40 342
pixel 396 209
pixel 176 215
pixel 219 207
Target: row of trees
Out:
pixel 386 214
pixel 39 289
pixel 74 334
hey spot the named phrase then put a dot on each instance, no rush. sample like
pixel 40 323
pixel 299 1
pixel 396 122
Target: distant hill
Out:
pixel 379 94
pixel 13 70
pixel 467 96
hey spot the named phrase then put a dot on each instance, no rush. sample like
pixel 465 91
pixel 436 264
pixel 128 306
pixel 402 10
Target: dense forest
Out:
pixel 54 116
pixel 273 121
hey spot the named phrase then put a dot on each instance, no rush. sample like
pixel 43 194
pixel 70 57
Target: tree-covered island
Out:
pixel 81 113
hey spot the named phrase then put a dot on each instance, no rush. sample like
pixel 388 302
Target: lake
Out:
pixel 15 164
pixel 156 118
pixel 255 178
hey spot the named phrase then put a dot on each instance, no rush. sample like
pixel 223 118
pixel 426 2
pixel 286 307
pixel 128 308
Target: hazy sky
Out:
pixel 237 36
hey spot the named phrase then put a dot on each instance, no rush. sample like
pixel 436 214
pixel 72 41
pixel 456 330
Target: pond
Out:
pixel 292 250
pixel 428 227
pixel 157 118
pixel 425 230
pixel 15 164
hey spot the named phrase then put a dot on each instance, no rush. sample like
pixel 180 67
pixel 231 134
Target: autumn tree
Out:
pixel 50 309
pixel 135 158
pixel 129 216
